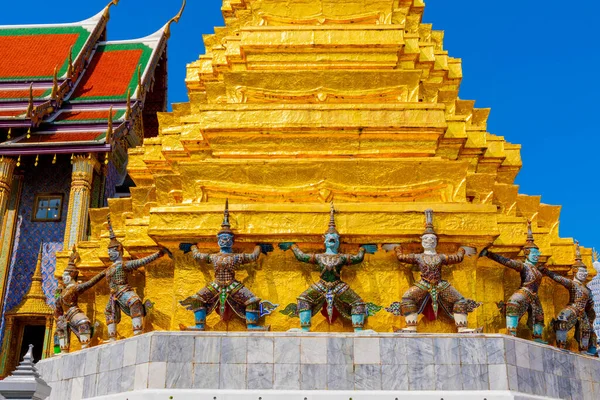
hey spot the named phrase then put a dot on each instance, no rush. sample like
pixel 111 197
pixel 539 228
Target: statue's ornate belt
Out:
pixel 434 290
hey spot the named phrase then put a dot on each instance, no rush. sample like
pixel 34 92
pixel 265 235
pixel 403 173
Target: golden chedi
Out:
pixel 299 103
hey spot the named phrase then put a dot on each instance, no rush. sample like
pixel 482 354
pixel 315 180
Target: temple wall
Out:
pixel 45 178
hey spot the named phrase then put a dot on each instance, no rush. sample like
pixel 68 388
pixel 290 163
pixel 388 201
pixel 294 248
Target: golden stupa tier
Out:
pixel 298 103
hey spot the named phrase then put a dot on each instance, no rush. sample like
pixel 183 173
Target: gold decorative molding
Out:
pixel 377 18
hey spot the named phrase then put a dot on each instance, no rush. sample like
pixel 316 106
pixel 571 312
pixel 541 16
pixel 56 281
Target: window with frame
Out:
pixel 48 207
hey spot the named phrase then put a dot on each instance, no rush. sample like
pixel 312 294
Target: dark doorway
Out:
pixel 33 334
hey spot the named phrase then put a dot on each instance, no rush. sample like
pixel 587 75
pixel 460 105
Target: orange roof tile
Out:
pixel 100 79
pixel 11 113
pixel 85 115
pixel 34 55
pixel 21 93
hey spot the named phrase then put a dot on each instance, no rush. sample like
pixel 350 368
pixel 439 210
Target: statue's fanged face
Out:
pixel 332 242
pixel 225 241
pixel 581 275
pixel 66 277
pixel 534 256
pixel 113 253
pixel 429 241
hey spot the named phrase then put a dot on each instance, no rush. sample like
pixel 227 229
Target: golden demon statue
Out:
pixel 69 317
pixel 331 290
pixel 525 299
pixel 431 289
pixel 579 313
pixel 122 296
pixel 225 293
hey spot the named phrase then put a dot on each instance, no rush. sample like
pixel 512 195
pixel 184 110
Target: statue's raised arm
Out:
pixel 140 262
pixel 196 253
pixel 226 294
pixel 309 258
pixel 405 258
pixel 459 256
pixel 561 280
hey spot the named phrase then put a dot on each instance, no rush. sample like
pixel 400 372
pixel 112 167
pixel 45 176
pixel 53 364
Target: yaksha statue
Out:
pixel 69 317
pixel 579 313
pixel 225 293
pixel 431 288
pixel 331 292
pixel 122 296
pixel 525 299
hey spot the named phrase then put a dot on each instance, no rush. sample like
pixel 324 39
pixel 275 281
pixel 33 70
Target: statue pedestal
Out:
pixel 274 365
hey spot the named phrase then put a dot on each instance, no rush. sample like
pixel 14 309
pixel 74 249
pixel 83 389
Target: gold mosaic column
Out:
pixel 7 168
pixel 79 199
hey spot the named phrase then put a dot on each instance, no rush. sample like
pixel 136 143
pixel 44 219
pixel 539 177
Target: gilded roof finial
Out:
pixel 128 109
pixel 70 68
pixel 30 107
pixel 107 9
pixel 54 93
pixel 140 88
pixel 109 131
pixel 174 19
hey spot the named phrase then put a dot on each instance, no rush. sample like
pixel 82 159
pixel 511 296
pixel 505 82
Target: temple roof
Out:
pixel 60 92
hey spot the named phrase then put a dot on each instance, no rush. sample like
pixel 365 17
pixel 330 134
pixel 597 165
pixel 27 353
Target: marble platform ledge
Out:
pixel 334 362
pixel 199 394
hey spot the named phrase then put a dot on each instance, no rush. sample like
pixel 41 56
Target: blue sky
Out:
pixel 533 62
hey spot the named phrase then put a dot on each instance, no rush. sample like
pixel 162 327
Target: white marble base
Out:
pixel 269 362
pixel 320 395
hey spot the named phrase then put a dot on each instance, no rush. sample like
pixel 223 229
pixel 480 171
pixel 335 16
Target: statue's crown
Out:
pixel 578 260
pixel 73 260
pixel 529 244
pixel 332 228
pixel 113 238
pixel 225 226
pixel 429 222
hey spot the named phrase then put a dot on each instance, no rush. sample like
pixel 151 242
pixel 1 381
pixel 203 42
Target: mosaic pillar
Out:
pixel 7 168
pixel 79 199
pixel 7 345
pixel 48 338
